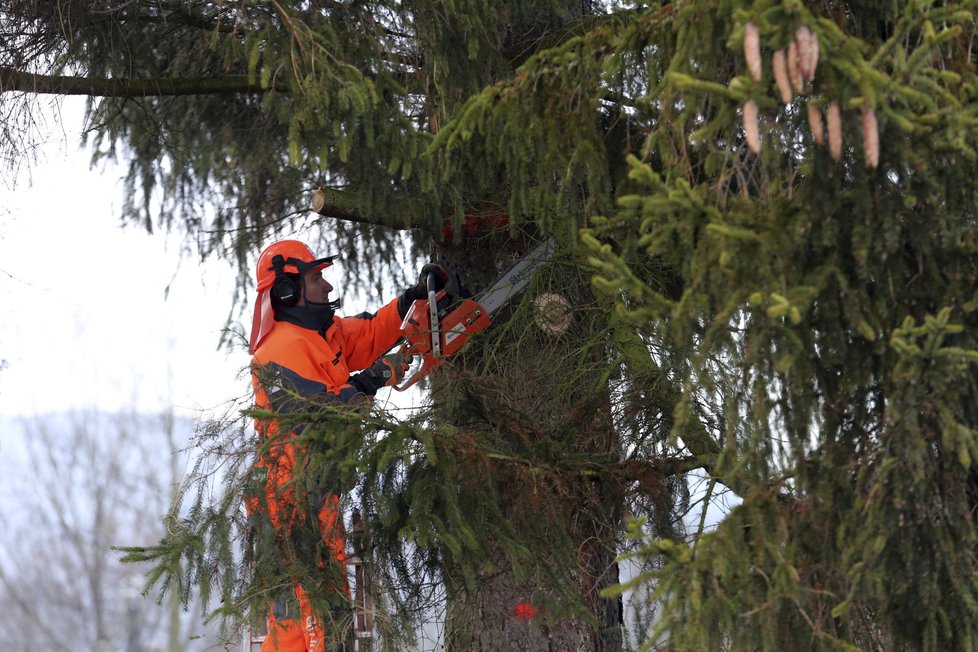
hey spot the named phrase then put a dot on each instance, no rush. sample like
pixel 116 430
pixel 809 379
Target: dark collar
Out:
pixel 315 317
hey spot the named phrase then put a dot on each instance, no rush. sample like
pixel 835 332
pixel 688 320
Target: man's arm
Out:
pixel 290 393
pixel 369 336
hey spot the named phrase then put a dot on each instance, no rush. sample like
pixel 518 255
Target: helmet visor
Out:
pixel 319 263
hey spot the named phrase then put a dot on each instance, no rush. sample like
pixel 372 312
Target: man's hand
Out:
pixel 420 291
pixel 396 366
pixel 446 278
pixel 387 371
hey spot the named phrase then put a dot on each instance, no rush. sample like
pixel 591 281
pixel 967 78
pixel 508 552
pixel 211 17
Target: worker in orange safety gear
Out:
pixel 302 349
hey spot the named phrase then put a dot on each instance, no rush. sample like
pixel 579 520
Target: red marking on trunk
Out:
pixel 525 611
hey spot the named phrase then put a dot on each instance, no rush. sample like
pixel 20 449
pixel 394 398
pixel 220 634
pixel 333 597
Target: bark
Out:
pixel 345 205
pixel 534 385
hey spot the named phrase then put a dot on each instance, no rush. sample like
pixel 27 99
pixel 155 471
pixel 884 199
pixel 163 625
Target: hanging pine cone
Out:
pixel 752 51
pixel 807 53
pixel 871 138
pixel 794 67
pixel 834 120
pixel 752 130
pixel 779 66
pixel 815 123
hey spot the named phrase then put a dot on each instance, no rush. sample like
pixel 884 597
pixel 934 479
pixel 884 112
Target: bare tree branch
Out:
pixel 343 205
pixel 16 80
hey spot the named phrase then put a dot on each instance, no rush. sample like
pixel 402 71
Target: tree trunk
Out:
pixel 487 619
pixel 540 397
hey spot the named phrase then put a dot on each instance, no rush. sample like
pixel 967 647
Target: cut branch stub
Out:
pixel 552 313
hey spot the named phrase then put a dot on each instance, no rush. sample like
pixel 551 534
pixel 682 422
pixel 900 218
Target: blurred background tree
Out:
pixel 77 484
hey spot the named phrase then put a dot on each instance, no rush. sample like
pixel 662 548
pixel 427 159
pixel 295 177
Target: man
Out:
pixel 303 356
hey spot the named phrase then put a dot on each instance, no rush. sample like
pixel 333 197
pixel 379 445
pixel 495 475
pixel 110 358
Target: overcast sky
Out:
pixel 85 319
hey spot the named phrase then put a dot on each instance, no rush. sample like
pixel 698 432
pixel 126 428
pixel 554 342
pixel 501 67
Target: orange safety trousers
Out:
pixel 305 633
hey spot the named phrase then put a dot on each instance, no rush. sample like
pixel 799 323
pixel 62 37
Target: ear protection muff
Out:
pixel 287 287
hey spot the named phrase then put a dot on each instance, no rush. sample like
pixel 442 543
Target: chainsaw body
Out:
pixel 439 326
pixel 455 321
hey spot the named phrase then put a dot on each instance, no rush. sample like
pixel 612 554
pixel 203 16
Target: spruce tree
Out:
pixel 826 317
pixel 765 239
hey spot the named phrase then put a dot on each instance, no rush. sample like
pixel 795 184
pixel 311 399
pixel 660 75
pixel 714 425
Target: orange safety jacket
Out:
pixel 314 364
pixel 319 362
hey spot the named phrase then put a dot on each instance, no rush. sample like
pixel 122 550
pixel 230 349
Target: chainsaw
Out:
pixel 438 327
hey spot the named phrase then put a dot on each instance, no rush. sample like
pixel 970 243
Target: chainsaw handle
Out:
pixel 427 364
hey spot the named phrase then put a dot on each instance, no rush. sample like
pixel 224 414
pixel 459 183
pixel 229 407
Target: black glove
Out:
pixel 420 291
pixel 389 370
pixel 446 278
